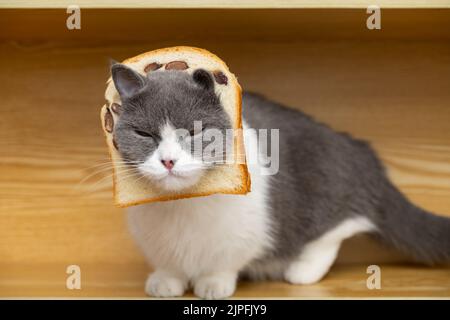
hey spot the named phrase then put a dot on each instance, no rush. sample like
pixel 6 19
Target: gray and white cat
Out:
pixel 329 187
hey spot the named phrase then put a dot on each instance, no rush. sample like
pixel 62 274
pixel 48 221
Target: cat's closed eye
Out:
pixel 143 133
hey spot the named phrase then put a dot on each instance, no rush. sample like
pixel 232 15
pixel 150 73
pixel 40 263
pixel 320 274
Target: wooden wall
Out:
pixel 391 87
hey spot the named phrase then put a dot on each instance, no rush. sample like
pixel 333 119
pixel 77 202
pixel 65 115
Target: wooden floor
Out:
pixel 128 281
pixel 56 207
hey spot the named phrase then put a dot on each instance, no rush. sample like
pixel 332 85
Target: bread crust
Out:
pixel 245 184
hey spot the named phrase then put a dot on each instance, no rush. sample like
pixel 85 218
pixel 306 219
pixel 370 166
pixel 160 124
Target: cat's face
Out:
pixel 164 119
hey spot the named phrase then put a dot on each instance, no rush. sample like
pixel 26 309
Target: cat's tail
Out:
pixel 412 230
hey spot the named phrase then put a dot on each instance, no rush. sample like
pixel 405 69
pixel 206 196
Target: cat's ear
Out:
pixel 127 81
pixel 203 78
pixel 112 62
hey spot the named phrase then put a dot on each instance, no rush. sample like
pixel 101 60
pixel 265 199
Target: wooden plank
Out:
pixel 392 93
pixel 127 281
pixel 226 4
pixel 101 27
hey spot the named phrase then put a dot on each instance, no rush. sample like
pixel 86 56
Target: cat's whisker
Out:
pixel 82 182
pixel 99 182
pixel 139 178
pixel 100 171
pixel 111 163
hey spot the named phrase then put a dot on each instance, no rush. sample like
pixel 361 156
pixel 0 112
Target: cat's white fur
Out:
pixel 318 255
pixel 205 242
pixel 187 169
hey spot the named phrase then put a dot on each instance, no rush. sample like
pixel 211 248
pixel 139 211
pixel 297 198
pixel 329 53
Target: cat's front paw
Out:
pixel 216 286
pixel 163 285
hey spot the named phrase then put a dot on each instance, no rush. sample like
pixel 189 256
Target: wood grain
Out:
pixel 393 93
pixel 227 4
pixel 101 27
pixel 127 281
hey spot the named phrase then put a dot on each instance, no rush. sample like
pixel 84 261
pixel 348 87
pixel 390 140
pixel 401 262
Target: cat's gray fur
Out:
pixel 324 177
pixel 331 176
pixel 149 102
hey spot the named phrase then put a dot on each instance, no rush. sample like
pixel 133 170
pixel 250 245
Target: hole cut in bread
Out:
pixel 228 178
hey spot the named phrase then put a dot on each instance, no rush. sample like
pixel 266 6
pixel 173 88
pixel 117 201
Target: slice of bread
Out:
pixel 232 178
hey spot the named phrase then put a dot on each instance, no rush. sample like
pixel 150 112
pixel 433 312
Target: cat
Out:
pixel 329 187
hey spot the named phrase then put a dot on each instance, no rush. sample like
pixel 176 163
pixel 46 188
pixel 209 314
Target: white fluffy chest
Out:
pixel 197 235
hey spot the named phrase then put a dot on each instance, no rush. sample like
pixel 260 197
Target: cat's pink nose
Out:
pixel 168 164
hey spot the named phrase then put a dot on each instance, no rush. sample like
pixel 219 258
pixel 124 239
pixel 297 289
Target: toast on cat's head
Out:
pixel 227 178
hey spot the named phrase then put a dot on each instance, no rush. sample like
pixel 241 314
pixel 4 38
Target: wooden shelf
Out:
pixel 100 26
pixel 127 281
pixel 390 88
pixel 227 4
